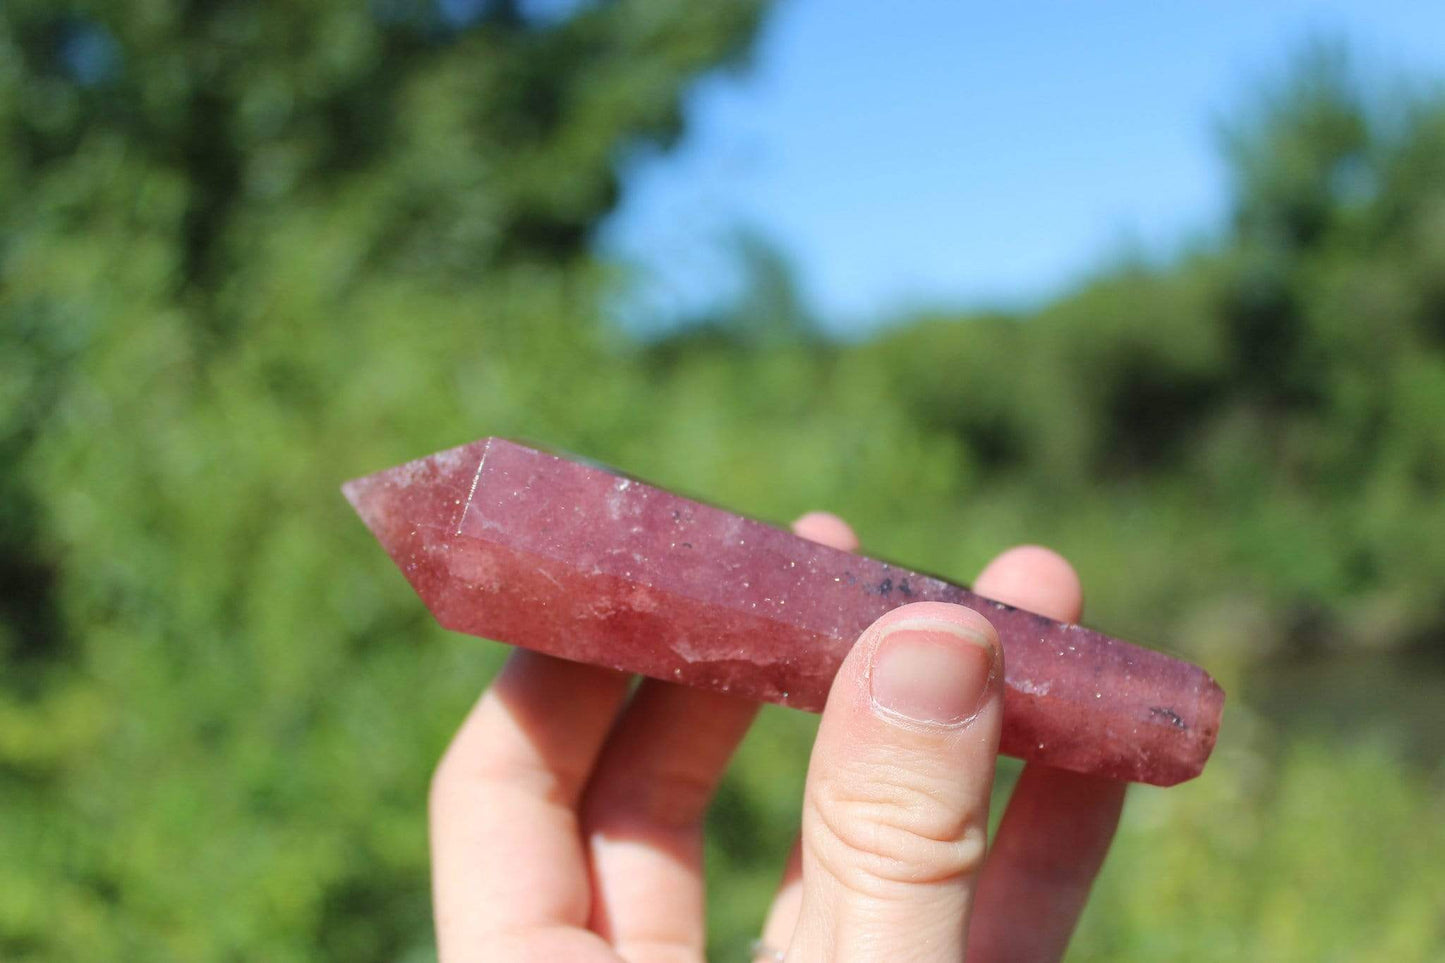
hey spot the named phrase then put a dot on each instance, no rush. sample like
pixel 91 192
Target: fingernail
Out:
pixel 934 673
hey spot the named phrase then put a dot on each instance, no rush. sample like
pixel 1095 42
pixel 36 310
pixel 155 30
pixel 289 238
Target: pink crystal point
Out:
pixel 510 543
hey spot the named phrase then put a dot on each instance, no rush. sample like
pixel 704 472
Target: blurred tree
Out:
pixel 246 249
pixel 1300 157
pixel 765 311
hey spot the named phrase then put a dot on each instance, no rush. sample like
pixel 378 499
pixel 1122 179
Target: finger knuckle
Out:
pixel 464 776
pixel 892 829
pixel 669 798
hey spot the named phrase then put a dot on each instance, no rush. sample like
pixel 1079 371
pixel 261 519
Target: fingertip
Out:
pixel 960 617
pixel 931 662
pixel 825 528
pixel 1035 578
pixel 959 620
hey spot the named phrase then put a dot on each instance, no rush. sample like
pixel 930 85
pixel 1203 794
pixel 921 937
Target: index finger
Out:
pixel 507 856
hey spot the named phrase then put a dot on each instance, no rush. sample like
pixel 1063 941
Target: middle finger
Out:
pixel 643 811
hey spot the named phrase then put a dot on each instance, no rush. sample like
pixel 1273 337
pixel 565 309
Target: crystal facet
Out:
pixel 514 544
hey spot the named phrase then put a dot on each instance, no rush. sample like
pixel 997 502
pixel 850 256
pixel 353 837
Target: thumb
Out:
pixel 895 816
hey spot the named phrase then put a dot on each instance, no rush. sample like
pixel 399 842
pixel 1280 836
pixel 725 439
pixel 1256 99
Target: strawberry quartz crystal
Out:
pixel 514 544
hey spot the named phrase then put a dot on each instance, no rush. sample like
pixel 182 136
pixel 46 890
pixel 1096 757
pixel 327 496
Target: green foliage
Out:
pixel 249 251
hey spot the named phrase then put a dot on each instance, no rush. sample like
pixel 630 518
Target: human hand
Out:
pixel 566 820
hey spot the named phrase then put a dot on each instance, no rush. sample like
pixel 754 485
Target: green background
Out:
pixel 249 251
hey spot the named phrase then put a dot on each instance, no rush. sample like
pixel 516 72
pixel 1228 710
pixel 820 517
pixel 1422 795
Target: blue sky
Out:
pixel 934 153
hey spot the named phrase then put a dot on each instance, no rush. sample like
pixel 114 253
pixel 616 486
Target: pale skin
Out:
pixel 566 817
